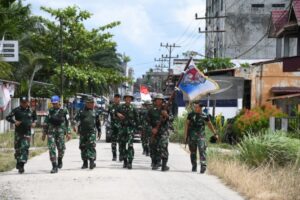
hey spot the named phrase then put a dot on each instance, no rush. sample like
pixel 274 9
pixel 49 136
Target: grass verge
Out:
pixel 261 183
pixel 7 160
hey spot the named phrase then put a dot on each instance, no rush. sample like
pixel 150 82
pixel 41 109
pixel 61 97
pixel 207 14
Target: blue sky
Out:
pixel 144 25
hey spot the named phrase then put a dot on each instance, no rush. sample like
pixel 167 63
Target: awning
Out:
pixel 284 97
pixel 285 90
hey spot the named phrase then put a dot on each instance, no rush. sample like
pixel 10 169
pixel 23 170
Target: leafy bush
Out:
pixel 255 120
pixel 178 124
pixel 269 148
pixel 221 126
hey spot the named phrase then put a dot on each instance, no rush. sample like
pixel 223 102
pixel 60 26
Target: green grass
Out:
pixel 270 147
pixel 7 160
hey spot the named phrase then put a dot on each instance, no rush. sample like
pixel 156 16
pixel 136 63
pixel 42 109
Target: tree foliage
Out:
pixel 209 64
pixel 89 57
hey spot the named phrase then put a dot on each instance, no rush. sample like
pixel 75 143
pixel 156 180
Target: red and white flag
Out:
pixel 145 95
pixel 4 97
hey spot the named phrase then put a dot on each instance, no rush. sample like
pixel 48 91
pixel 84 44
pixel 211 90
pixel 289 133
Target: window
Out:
pixel 258 5
pixel 278 5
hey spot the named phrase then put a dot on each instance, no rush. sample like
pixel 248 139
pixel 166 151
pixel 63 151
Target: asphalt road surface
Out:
pixel 110 181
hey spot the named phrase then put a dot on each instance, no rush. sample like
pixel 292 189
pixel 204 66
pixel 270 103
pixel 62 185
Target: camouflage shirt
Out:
pixel 143 117
pixel 57 118
pixel 130 114
pixel 88 121
pixel 25 115
pixel 197 124
pixel 112 110
pixel 154 118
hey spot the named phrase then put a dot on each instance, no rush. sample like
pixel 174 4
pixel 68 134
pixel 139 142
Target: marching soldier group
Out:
pixel 152 120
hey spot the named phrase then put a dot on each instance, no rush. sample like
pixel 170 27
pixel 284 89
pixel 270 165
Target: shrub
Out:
pixel 255 120
pixel 178 124
pixel 269 148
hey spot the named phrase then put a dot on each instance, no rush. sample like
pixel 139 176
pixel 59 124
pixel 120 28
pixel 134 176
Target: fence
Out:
pixel 289 124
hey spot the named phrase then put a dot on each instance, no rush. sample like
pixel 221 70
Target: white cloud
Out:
pixel 135 26
pixel 144 24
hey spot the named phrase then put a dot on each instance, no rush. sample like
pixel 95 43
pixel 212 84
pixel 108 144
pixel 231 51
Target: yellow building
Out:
pixel 274 82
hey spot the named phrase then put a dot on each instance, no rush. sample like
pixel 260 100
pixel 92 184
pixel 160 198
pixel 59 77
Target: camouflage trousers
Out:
pixel 154 149
pixel 159 147
pixel 199 143
pixel 87 145
pixel 145 137
pixel 22 144
pixel 56 140
pixel 126 143
pixel 114 139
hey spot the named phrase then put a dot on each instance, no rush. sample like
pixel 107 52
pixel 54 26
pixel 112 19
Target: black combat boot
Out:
pixel 164 166
pixel 203 169
pixel 129 165
pixel 17 165
pixel 125 163
pixel 154 165
pixel 159 163
pixel 54 168
pixel 92 164
pixel 21 168
pixel 194 168
pixel 121 158
pixel 85 164
pixel 59 163
pixel 147 151
pixel 114 156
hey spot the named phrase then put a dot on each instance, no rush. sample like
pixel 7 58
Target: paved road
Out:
pixel 110 181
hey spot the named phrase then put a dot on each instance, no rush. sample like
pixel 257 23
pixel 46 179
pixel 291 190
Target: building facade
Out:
pixel 244 23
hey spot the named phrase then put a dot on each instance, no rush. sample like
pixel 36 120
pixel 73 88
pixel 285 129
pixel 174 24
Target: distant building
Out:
pixel 285 27
pixel 245 23
pixel 276 81
pixel 129 73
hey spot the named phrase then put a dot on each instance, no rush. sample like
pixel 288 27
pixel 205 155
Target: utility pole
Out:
pixel 160 66
pixel 170 48
pixel 213 30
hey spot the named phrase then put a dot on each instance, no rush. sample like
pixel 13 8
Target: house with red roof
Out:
pixel 285 27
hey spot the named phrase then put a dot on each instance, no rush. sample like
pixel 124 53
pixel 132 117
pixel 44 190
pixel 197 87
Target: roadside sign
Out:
pixel 9 50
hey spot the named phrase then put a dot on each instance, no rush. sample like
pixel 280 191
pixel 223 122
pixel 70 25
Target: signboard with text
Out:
pixel 9 50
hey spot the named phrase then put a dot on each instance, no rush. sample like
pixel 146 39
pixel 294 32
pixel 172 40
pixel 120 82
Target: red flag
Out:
pixel 145 95
pixel 144 89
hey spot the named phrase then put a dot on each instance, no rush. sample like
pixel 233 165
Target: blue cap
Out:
pixel 55 99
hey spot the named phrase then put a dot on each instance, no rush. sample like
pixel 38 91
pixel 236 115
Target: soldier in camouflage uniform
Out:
pixel 145 127
pixel 128 115
pixel 195 135
pixel 88 122
pixel 159 118
pixel 56 127
pixel 115 127
pixel 24 120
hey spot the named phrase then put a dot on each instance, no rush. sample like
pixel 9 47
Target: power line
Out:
pixel 185 31
pixel 170 48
